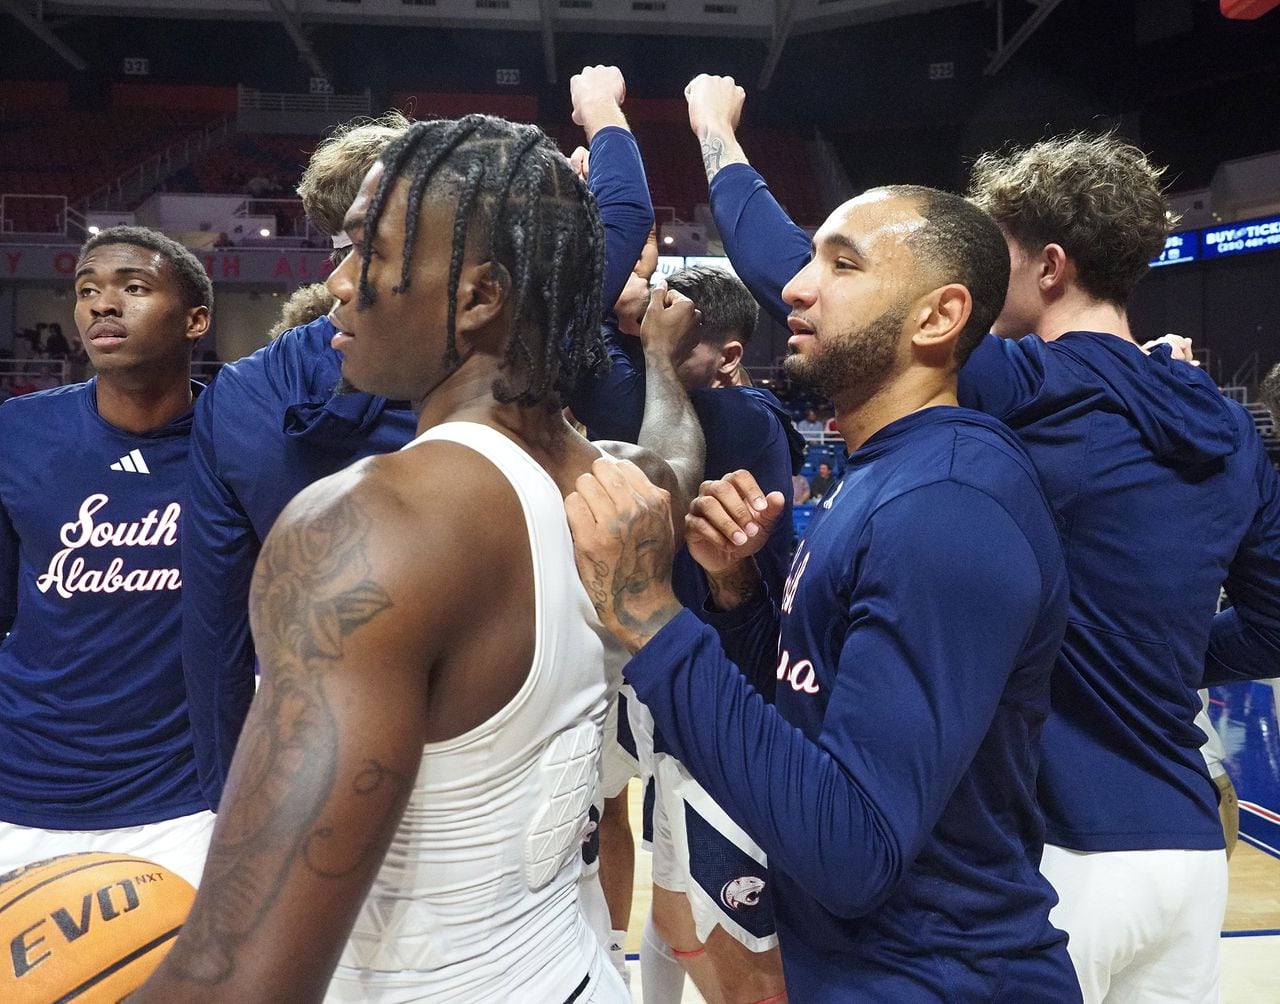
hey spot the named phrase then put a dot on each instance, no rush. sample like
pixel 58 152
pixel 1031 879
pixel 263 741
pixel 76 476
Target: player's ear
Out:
pixel 482 295
pixel 1054 267
pixel 197 324
pixel 730 359
pixel 941 316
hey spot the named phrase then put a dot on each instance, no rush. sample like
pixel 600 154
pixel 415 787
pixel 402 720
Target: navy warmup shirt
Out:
pixel 1163 492
pixel 892 783
pixel 93 712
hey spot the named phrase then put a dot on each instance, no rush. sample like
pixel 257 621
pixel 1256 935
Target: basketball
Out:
pixel 86 927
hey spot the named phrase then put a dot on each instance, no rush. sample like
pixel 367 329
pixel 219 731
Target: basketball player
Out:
pixel 286 410
pixel 743 430
pixel 1121 439
pixel 892 781
pixel 433 675
pixel 271 424
pixel 729 950
pixel 94 739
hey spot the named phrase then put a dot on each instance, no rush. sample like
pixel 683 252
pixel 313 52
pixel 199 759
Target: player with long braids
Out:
pixel 409 793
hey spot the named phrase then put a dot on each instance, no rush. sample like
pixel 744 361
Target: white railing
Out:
pixel 8 225
pixel 248 99
pixel 151 172
pixel 291 218
pixel 23 375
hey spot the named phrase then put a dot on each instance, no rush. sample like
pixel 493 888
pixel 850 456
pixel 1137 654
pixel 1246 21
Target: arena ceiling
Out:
pixel 775 22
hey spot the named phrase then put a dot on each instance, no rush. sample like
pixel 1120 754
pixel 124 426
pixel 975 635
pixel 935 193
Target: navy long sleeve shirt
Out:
pixel 267 427
pixel 93 713
pixel 1163 492
pixel 892 783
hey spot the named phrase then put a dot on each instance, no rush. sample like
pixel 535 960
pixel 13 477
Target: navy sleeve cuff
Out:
pixel 670 646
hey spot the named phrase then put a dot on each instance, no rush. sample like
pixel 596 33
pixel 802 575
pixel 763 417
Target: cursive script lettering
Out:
pixel 67 575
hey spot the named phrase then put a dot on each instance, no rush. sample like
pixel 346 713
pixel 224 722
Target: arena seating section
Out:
pixel 73 151
pixel 43 144
pixel 677 178
pixel 229 168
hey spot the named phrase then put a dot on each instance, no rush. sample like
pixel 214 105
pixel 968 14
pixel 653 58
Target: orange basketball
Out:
pixel 86 927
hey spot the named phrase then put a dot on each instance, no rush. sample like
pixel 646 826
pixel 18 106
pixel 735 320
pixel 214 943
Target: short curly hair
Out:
pixel 305 304
pixel 197 288
pixel 333 175
pixel 1096 195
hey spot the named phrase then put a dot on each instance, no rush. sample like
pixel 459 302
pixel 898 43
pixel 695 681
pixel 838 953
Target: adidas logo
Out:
pixel 132 462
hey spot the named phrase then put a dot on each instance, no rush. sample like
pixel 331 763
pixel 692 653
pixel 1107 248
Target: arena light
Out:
pixel 668 240
pixel 95 231
pixel 264 232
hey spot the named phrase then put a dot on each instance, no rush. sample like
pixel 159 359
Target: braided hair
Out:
pixel 518 196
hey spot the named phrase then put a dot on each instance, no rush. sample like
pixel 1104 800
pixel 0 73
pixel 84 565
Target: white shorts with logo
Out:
pixel 1144 926
pixel 699 851
pixel 179 844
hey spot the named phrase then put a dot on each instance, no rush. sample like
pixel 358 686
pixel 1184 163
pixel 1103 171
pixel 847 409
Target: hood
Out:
pixel 320 416
pixel 1179 411
pixel 336 424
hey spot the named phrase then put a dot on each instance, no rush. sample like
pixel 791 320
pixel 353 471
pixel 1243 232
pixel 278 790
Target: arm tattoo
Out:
pixel 643 563
pixel 713 152
pixel 311 591
pixel 734 587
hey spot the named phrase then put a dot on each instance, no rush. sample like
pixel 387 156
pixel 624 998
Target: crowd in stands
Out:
pixel 43 357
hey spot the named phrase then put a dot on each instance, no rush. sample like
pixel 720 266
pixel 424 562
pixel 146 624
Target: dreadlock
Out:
pixel 535 221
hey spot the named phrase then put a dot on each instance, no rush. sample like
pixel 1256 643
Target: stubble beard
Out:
pixel 853 363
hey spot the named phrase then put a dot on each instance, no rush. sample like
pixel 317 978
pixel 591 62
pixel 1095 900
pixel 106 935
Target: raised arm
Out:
pixel 353 605
pixel 766 248
pixel 614 173
pixel 670 427
pixel 612 406
pixel 219 548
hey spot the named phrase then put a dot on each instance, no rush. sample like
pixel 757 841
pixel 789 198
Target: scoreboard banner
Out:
pixel 1243 237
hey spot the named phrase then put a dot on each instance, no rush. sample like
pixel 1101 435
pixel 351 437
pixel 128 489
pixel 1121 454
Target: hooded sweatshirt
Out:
pixel 269 425
pixel 1162 492
pixel 892 781
pixel 1159 485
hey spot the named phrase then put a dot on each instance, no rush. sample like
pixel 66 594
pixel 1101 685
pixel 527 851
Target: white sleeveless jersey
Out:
pixel 477 899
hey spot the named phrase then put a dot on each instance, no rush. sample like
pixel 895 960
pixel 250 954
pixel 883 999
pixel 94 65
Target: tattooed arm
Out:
pixel 715 106
pixel 353 613
pixel 624 545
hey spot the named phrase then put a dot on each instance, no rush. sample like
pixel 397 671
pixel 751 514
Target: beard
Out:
pixel 852 363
